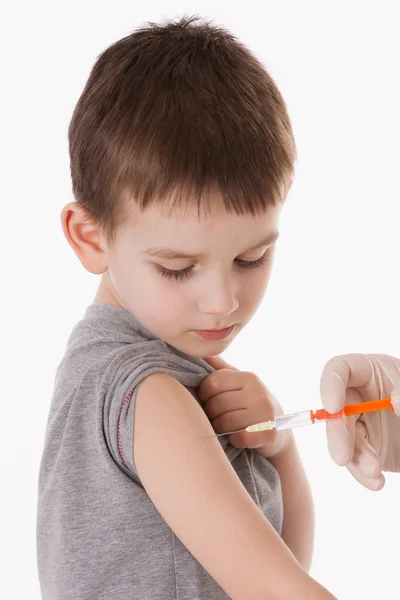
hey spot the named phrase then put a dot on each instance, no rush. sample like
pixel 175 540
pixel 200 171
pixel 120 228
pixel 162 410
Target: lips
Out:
pixel 215 335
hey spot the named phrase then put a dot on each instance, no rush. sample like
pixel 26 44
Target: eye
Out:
pixel 184 273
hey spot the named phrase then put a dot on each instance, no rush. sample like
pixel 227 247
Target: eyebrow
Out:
pixel 170 253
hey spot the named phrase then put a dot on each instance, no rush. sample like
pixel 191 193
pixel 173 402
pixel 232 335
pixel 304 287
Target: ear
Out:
pixel 84 238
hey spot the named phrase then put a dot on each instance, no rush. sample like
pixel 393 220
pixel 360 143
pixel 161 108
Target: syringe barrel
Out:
pixel 297 419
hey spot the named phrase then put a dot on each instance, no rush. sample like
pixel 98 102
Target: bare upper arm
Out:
pixel 198 493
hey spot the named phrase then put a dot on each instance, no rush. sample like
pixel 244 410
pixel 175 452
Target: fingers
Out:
pixel 231 421
pixel 347 439
pixel 368 482
pixel 341 434
pixel 365 458
pixel 339 373
pixel 225 402
pixel 348 446
pixel 341 442
pixel 220 381
pixel 395 396
pixel 355 378
pixel 366 465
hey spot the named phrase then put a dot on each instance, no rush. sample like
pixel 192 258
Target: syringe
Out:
pixel 310 417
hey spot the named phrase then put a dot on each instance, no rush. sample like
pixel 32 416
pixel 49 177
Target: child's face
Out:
pixel 217 292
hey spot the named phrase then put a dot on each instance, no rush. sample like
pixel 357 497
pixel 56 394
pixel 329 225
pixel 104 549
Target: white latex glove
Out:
pixel 369 443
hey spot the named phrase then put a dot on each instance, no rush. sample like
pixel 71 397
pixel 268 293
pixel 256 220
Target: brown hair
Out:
pixel 172 111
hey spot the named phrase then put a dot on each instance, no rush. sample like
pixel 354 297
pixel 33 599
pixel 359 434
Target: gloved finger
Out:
pixel 373 484
pixel 366 465
pixel 341 434
pixel 339 373
pixel 341 441
pixel 395 397
pixel 365 459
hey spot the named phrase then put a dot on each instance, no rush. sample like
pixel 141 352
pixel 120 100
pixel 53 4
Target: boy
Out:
pixel 133 502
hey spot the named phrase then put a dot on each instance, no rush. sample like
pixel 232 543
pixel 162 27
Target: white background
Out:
pixel 335 285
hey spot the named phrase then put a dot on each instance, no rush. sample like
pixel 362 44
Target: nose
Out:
pixel 220 297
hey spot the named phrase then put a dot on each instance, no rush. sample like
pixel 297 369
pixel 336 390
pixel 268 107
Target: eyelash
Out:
pixel 183 273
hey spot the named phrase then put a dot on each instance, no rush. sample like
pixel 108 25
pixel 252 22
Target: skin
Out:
pixel 217 293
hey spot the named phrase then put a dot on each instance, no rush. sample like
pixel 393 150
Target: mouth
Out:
pixel 214 334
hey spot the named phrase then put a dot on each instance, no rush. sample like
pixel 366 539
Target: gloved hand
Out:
pixel 369 443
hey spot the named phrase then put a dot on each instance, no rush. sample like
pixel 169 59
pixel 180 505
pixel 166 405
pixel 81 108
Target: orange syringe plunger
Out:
pixel 351 409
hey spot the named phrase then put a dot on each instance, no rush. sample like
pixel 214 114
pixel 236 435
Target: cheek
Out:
pixel 165 301
pixel 164 304
pixel 166 313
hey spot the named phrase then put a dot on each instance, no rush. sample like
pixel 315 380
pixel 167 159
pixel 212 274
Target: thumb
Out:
pixel 395 395
pixel 219 363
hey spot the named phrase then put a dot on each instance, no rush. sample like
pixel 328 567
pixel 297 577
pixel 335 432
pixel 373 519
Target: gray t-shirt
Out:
pixel 99 536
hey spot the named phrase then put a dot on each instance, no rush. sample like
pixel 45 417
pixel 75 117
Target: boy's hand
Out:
pixel 236 399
